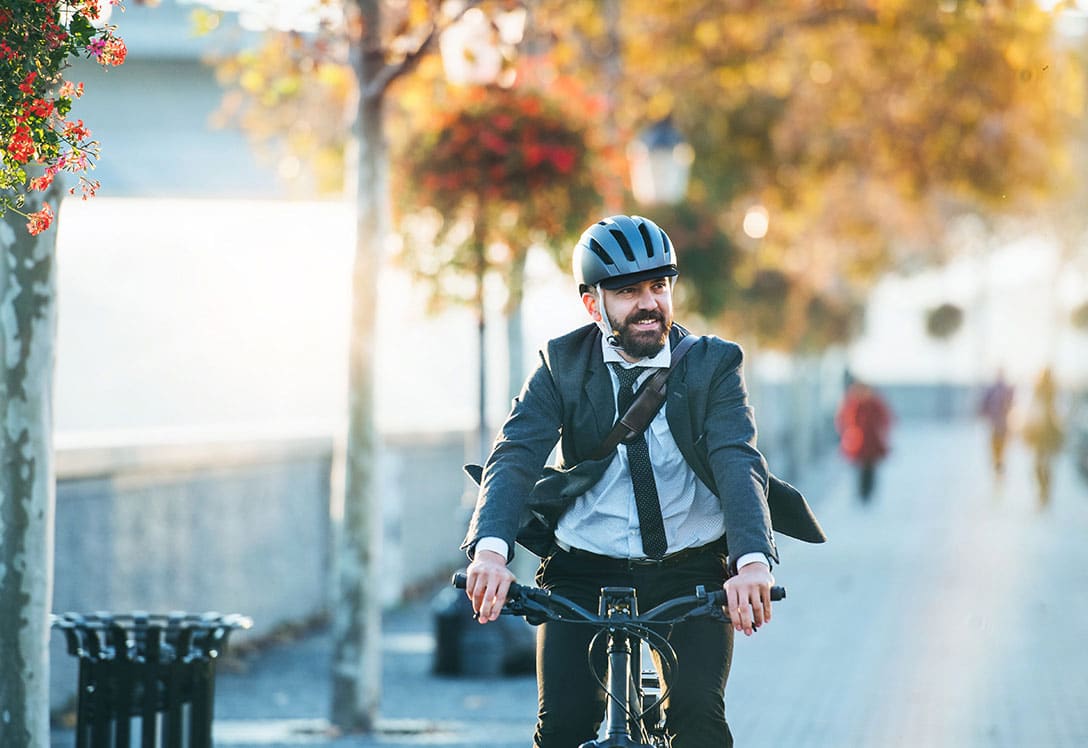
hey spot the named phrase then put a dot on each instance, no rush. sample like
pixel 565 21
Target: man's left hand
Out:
pixel 748 597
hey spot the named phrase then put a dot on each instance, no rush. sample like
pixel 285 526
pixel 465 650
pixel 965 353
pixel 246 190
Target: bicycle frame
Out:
pixel 625 692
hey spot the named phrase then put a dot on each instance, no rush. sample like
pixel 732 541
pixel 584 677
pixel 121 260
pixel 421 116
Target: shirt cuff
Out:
pixel 500 546
pixel 747 558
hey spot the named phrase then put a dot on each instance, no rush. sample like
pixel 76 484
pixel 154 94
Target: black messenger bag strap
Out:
pixel 648 400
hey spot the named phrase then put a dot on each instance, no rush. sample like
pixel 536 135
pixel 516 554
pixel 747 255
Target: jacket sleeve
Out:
pixel 739 469
pixel 518 455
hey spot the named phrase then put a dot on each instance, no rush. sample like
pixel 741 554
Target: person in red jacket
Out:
pixel 864 421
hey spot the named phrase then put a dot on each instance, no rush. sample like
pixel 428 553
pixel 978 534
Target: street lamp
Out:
pixel 660 161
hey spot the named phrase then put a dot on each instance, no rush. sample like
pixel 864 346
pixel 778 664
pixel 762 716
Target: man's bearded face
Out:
pixel 644 332
pixel 642 315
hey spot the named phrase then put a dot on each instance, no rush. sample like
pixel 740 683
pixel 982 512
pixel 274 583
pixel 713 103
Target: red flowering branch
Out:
pixel 499 145
pixel 38 39
pixel 516 167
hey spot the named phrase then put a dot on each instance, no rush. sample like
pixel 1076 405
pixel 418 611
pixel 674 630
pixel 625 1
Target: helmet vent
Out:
pixel 625 245
pixel 646 240
pixel 597 249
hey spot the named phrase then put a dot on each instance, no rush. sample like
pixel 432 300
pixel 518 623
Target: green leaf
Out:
pixel 81 29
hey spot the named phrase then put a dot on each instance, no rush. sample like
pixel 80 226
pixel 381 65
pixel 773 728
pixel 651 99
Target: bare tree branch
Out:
pixel 391 72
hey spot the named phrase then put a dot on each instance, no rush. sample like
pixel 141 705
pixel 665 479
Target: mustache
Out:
pixel 641 316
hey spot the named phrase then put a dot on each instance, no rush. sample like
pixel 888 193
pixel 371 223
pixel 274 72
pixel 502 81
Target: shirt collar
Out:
pixel 661 360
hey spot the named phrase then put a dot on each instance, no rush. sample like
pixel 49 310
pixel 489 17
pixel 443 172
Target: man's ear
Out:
pixel 592 306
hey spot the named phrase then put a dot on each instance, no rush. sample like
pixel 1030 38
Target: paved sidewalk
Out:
pixel 949 612
pixel 418 708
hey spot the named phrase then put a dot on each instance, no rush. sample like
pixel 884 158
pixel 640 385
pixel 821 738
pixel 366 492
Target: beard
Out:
pixel 643 343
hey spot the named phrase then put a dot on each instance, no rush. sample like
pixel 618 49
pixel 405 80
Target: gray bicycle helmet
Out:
pixel 622 250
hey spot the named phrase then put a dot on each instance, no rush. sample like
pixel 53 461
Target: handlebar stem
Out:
pixel 619 666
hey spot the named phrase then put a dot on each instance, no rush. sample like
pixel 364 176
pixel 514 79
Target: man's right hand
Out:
pixel 488 582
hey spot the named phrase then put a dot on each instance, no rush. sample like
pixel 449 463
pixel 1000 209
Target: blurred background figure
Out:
pixel 864 422
pixel 994 407
pixel 1043 432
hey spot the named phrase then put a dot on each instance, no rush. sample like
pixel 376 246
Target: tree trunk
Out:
pixel 356 676
pixel 515 340
pixel 27 339
pixel 483 437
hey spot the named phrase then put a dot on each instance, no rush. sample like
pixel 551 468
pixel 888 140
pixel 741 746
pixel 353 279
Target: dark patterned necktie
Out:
pixel 650 523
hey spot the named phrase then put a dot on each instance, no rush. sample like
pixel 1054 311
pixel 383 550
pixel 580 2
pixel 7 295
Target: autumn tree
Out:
pixel 860 127
pixel 298 80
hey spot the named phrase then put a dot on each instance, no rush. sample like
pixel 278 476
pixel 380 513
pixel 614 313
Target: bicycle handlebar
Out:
pixel 538 605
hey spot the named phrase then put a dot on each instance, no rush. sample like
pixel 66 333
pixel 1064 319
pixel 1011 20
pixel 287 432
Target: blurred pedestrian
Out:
pixel 864 422
pixel 995 406
pixel 1043 432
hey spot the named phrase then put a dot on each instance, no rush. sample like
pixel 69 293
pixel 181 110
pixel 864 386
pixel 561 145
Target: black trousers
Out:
pixel 571 703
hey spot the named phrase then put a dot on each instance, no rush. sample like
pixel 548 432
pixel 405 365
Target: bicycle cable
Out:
pixel 669 666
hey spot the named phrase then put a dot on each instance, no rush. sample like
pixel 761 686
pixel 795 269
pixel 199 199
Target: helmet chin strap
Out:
pixel 611 335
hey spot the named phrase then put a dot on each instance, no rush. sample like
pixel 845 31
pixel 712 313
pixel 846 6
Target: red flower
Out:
pixel 563 158
pixel 40 221
pixel 21 147
pixel 42 183
pixel 114 53
pixel 493 142
pixel 90 9
pixel 534 155
pixel 495 147
pixel 40 108
pixel 76 131
pixel 69 90
pixel 27 86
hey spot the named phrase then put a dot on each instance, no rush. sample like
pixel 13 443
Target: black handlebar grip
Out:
pixel 460 581
pixel 778 593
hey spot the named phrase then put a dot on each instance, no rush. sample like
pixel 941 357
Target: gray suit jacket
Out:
pixel 569 398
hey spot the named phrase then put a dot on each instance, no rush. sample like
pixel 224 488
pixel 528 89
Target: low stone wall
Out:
pixel 238 526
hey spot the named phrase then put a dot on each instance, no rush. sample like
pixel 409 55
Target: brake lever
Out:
pixel 533 612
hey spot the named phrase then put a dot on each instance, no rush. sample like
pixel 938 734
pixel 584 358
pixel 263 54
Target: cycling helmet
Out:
pixel 622 250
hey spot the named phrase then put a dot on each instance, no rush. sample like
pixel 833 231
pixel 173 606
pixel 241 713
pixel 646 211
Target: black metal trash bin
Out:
pixel 158 668
pixel 464 647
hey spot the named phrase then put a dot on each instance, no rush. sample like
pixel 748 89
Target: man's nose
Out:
pixel 646 299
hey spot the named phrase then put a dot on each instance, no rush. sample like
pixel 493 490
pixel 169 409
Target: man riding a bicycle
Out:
pixel 686 501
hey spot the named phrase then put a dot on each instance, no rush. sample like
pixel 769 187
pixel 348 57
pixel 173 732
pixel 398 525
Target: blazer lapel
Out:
pixel 602 400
